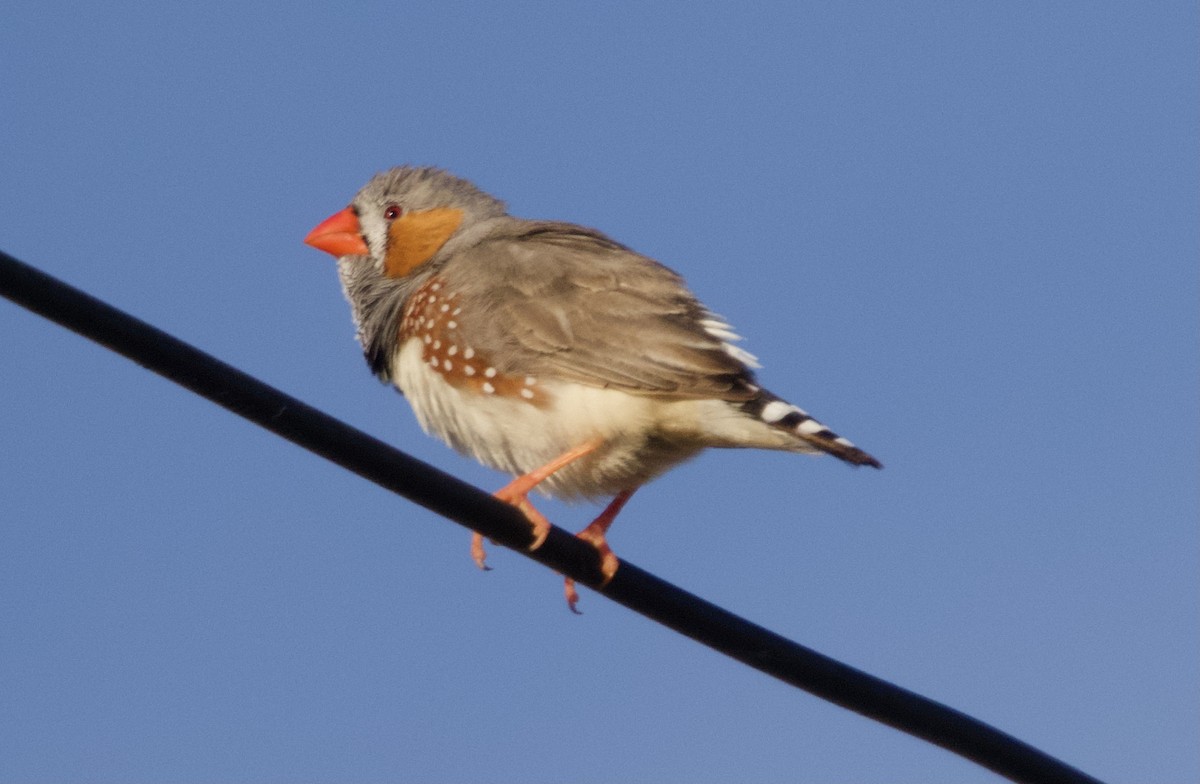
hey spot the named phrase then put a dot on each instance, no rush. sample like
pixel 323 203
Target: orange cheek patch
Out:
pixel 415 237
pixel 432 316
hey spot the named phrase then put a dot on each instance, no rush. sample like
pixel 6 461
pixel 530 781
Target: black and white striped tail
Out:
pixel 781 414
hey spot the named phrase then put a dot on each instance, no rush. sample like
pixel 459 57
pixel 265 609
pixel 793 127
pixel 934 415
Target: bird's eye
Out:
pixel 393 211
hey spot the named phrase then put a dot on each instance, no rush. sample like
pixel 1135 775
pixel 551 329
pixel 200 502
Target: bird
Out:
pixel 547 350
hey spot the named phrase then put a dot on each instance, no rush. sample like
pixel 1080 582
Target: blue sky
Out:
pixel 965 236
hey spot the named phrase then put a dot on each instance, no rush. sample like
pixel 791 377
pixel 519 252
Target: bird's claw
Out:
pixel 541 526
pixel 478 553
pixel 608 564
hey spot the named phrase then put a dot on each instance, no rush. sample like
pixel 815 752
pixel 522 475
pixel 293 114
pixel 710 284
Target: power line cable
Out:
pixel 471 507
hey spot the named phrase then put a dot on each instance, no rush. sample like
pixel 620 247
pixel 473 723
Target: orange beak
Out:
pixel 339 234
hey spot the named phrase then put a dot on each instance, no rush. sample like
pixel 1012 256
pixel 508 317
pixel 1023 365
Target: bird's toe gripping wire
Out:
pixel 517 492
pixel 595 535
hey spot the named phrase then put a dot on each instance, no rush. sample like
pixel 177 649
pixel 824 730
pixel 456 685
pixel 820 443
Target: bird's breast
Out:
pixel 486 417
pixel 434 317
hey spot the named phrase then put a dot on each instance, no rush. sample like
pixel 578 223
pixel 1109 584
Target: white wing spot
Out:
pixel 437 344
pixel 452 350
pixel 530 381
pixel 456 311
pixel 719 329
pixel 469 370
pixel 490 372
pixel 810 426
pixel 451 325
pixel 843 442
pixel 444 308
pixel 488 388
pixel 527 394
pixel 428 338
pixel 468 353
pixel 446 364
pixel 741 355
pixel 775 410
pixel 434 362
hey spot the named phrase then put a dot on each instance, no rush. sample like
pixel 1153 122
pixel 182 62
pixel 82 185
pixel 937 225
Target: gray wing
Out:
pixel 561 300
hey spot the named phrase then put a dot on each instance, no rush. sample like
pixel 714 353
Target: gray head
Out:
pixel 418 191
pixel 398 231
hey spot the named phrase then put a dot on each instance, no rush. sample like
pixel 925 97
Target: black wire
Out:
pixel 638 590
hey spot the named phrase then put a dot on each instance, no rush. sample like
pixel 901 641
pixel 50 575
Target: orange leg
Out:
pixel 516 493
pixel 595 534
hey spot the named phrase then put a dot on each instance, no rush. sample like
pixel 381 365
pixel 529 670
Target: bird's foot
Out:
pixel 478 553
pixel 517 492
pixel 515 497
pixel 593 535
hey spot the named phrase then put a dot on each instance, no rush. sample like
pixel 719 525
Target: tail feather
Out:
pixel 780 414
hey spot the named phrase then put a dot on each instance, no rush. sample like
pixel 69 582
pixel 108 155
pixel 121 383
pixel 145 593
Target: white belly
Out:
pixel 515 436
pixel 641 436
